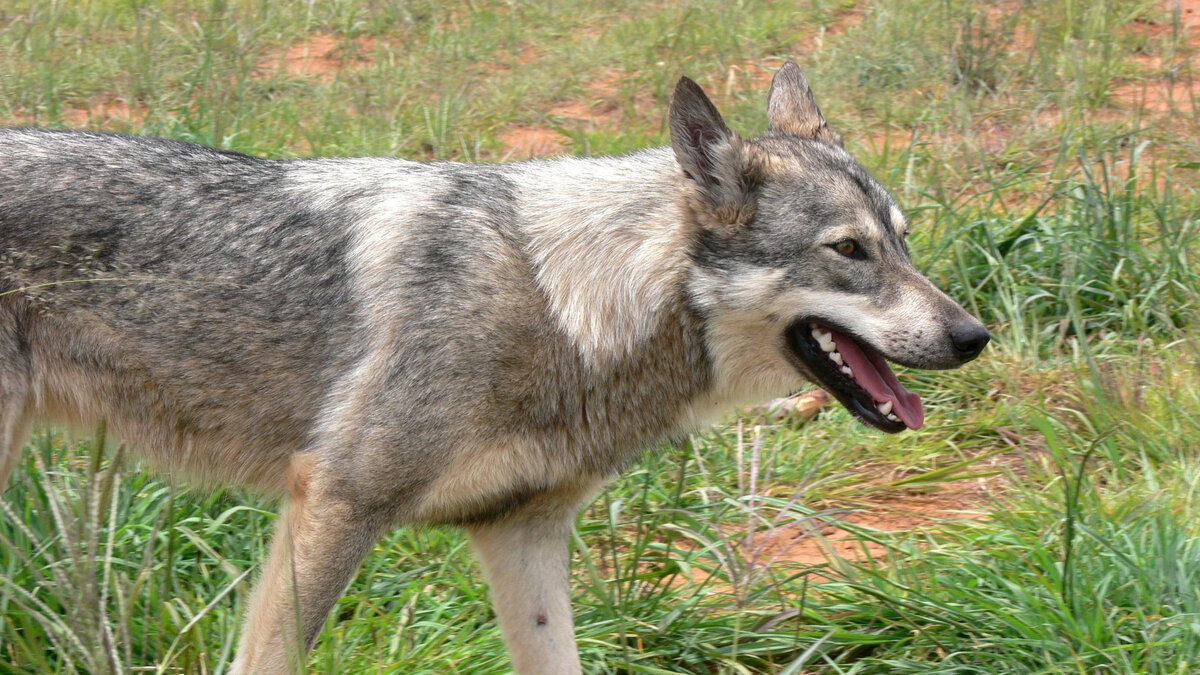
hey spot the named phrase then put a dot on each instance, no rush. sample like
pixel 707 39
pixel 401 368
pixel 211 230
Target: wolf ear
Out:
pixel 792 108
pixel 710 154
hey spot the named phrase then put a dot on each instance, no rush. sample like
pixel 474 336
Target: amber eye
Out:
pixel 847 247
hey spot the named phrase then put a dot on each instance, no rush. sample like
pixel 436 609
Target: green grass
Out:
pixel 1040 196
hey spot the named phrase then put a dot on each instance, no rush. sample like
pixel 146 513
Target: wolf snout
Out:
pixel 969 338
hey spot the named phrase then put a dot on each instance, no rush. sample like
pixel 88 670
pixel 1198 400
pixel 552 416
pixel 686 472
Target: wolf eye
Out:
pixel 848 248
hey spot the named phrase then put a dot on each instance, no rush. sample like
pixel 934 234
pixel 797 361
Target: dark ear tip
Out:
pixel 686 84
pixel 690 96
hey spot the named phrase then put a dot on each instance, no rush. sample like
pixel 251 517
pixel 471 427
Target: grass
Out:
pixel 1043 151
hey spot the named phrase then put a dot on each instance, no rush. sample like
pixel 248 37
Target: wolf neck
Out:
pixel 609 245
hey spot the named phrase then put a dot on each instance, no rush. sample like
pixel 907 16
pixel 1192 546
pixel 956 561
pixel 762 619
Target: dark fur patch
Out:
pixel 494 508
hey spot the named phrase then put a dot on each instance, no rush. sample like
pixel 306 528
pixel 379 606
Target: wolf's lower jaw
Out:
pixel 856 375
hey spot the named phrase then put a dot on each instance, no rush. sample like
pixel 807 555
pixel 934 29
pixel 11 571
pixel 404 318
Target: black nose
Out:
pixel 969 338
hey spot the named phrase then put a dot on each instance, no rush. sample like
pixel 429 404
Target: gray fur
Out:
pixel 386 342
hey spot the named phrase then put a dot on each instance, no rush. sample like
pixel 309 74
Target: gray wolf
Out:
pixel 382 342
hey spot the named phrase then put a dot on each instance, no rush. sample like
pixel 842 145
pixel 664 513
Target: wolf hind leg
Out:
pixel 16 406
pixel 525 559
pixel 318 545
pixel 14 429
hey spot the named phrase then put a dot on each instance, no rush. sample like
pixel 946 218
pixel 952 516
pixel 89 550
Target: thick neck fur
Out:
pixel 610 247
pixel 611 243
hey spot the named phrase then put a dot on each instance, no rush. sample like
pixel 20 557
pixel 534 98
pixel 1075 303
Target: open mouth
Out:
pixel 857 376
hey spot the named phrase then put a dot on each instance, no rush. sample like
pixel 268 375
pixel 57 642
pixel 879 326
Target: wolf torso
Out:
pixel 418 322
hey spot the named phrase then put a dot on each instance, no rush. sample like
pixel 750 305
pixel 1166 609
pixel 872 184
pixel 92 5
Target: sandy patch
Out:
pixel 320 57
pixel 842 22
pixel 604 104
pixel 886 500
pixel 828 539
pixel 105 113
pixel 527 142
pixel 838 535
pixel 605 101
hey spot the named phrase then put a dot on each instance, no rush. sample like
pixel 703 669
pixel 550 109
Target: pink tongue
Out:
pixel 872 373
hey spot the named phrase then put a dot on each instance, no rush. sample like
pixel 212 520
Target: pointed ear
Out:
pixel 792 108
pixel 711 155
pixel 698 134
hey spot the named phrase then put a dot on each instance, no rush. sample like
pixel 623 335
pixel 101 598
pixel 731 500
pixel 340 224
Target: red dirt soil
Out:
pixel 604 106
pixel 900 513
pixel 320 56
pixel 105 113
pixel 526 142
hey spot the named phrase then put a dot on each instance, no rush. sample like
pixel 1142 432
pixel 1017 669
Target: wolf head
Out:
pixel 801 265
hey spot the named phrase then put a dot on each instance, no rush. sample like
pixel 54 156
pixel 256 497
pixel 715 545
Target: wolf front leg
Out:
pixel 525 558
pixel 318 546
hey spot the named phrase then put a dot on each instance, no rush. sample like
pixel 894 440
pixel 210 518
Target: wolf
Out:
pixel 382 342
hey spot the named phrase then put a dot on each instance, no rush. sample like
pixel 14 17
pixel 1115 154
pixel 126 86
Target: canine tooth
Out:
pixel 847 371
pixel 885 407
pixel 836 357
pixel 893 418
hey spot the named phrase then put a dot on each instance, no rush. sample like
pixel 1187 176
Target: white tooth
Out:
pixel 847 371
pixel 893 418
pixel 826 342
pixel 836 357
pixel 885 407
